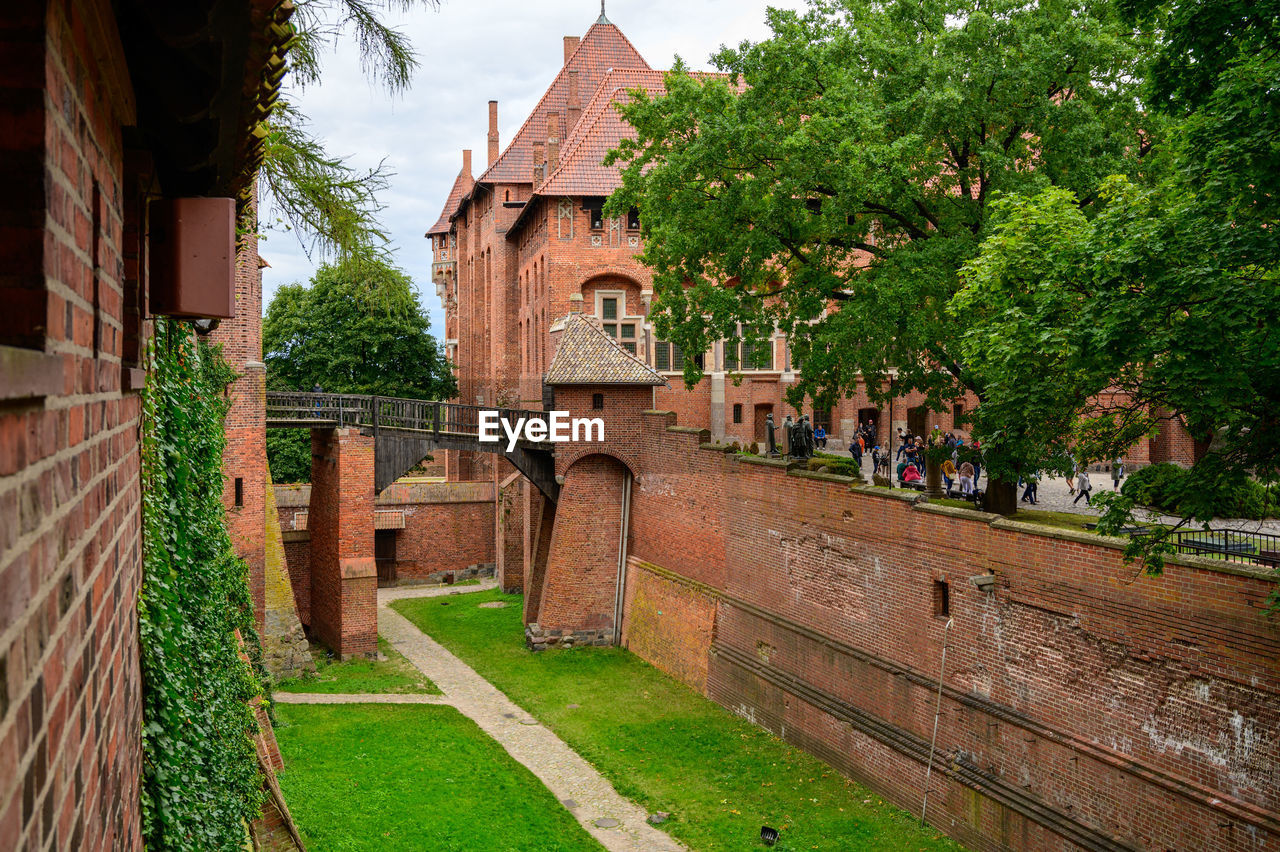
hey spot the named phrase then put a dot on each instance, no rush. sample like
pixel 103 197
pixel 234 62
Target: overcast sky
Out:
pixel 471 51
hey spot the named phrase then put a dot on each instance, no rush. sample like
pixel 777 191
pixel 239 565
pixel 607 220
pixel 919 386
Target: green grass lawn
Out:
pixel 666 747
pixel 394 674
pixel 401 777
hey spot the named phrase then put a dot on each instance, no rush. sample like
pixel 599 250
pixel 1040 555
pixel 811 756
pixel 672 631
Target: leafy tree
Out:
pixel 355 329
pixel 842 175
pixel 331 206
pixel 1170 294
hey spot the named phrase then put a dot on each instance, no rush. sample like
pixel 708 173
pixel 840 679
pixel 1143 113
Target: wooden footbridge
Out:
pixel 405 431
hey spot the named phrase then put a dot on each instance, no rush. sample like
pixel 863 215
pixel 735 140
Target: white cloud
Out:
pixel 471 51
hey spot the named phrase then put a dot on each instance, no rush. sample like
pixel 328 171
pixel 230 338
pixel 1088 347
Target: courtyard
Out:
pixel 581 749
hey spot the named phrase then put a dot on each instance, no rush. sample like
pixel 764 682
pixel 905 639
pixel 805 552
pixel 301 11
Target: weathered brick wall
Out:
pixel 297 557
pixel 344 577
pixel 448 528
pixel 669 621
pixel 245 459
pixel 510 529
pixel 581 581
pixel 70 530
pixel 1083 705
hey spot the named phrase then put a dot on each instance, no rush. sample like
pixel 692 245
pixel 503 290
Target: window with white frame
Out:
pixel 611 308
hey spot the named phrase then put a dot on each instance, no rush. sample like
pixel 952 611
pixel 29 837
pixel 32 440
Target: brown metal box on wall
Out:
pixel 193 257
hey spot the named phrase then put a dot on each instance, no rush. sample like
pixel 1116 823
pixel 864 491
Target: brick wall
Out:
pixel 581 580
pixel 344 578
pixel 1083 705
pixel 448 529
pixel 70 553
pixel 245 459
pixel 297 557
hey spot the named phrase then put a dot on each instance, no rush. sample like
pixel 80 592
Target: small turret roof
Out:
pixel 585 355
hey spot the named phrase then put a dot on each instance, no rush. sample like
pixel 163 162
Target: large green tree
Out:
pixel 1172 293
pixel 357 328
pixel 835 184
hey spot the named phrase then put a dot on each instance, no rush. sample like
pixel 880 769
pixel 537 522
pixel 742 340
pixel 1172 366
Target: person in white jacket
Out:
pixel 1083 487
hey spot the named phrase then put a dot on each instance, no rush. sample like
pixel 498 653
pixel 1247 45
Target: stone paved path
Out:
pixel 617 823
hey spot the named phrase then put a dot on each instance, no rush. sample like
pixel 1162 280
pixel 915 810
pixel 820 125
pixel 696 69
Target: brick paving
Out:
pixel 618 824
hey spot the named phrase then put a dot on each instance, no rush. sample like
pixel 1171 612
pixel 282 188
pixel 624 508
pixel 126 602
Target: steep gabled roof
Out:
pixel 585 355
pixel 603 48
pixel 601 128
pixel 461 187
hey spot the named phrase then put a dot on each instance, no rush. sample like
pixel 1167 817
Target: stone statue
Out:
pixel 771 436
pixel 809 443
pixel 789 432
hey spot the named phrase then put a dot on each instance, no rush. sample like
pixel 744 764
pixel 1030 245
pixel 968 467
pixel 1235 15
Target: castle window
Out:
pixel 597 402
pixel 239 491
pixel 941 599
pixel 609 308
pixel 668 356
pixel 633 219
pixel 594 208
pixel 737 412
pixel 822 417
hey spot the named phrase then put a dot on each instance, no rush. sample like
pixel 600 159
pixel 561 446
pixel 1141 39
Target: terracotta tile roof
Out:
pixel 585 355
pixel 461 187
pixel 601 127
pixel 604 47
pixel 599 131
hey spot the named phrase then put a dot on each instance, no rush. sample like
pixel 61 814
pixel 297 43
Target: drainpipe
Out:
pixel 620 594
pixel 937 711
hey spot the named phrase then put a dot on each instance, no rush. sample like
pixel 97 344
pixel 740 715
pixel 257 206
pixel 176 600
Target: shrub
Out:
pixel 1172 489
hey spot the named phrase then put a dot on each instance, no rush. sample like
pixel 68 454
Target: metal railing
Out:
pixel 391 413
pixel 1237 545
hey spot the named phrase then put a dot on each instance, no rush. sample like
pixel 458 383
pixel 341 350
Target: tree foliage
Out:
pixel 1171 294
pixel 834 184
pixel 355 329
pixel 330 205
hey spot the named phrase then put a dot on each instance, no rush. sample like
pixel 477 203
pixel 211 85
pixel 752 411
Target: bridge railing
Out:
pixel 342 408
pixel 384 412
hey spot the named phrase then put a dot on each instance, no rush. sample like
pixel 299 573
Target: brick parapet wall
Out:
pixel 1081 701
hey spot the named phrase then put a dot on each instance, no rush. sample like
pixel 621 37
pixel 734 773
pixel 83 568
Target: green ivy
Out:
pixel 200 780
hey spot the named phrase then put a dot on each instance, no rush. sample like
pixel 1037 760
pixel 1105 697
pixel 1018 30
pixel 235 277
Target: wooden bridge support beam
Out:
pixel 344 576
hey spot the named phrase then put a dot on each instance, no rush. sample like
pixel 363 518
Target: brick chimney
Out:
pixel 570 45
pixel 539 162
pixel 574 109
pixel 466 161
pixel 553 141
pixel 493 132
